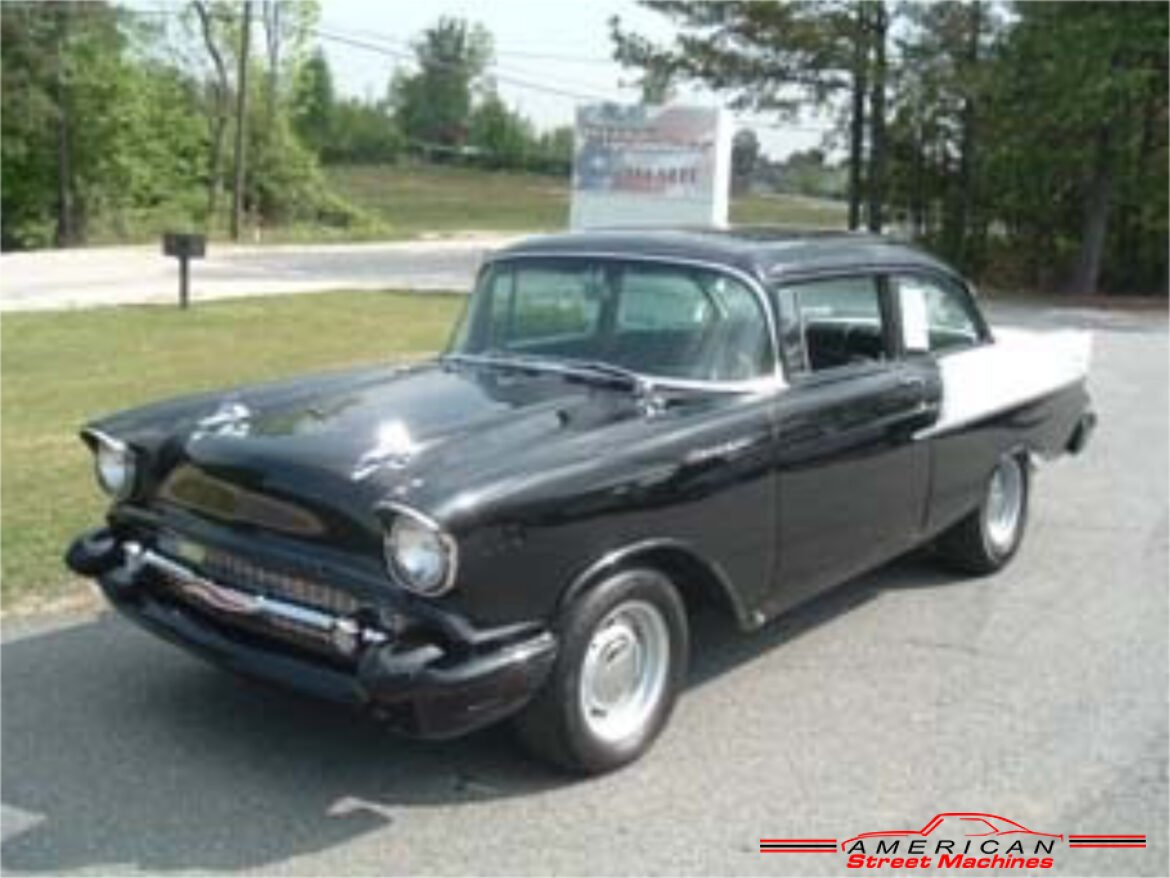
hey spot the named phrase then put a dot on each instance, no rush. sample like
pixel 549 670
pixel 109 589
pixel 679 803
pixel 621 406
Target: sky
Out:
pixel 561 45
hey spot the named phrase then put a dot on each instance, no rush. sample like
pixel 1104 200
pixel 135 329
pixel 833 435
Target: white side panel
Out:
pixel 1018 367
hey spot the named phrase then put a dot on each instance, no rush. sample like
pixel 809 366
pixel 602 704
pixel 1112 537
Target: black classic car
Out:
pixel 623 426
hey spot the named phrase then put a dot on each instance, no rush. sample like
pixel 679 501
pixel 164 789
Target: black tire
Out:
pixel 969 547
pixel 554 725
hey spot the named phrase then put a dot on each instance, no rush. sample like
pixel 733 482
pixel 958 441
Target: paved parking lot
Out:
pixel 1039 694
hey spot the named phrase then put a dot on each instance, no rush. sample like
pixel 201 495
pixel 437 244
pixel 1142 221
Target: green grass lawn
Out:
pixel 415 199
pixel 62 369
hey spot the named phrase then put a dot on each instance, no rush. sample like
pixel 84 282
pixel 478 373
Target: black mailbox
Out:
pixel 185 245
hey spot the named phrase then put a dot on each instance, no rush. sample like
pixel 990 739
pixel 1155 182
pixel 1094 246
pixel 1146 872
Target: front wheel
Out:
pixel 988 538
pixel 621 663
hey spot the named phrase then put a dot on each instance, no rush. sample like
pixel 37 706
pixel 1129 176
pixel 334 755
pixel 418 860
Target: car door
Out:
pixel 852 482
pixel 939 321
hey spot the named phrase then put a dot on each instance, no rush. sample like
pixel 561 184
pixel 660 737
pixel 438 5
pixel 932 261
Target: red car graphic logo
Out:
pixel 960 824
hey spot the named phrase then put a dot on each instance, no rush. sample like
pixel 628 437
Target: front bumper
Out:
pixel 424 684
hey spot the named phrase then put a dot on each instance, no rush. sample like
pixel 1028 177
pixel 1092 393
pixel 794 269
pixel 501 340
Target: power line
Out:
pixel 502 77
pixel 515 53
pixel 520 82
pixel 578 91
pixel 510 76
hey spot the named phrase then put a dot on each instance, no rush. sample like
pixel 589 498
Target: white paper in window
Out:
pixel 915 326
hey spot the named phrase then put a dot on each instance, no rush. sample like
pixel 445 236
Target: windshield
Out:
pixel 659 320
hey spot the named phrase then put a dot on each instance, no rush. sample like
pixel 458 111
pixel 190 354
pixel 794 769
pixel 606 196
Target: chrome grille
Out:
pixel 234 570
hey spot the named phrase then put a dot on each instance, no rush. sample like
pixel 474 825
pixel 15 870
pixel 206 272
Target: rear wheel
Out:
pixel 989 537
pixel 621 662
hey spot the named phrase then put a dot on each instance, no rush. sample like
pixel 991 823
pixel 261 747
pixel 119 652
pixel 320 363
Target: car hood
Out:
pixel 306 451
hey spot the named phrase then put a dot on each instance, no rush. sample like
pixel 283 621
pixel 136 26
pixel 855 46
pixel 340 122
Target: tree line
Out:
pixel 1026 142
pixel 447 109
pixel 119 122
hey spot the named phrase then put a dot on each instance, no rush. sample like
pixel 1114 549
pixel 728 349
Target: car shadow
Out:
pixel 718 645
pixel 120 750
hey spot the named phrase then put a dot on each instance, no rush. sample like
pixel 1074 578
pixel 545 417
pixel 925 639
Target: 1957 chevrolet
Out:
pixel 624 425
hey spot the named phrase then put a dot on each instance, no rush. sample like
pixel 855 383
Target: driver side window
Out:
pixel 839 322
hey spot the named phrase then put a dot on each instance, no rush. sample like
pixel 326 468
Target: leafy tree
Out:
pixel 778 57
pixel 433 106
pixel 554 151
pixel 313 102
pixel 362 133
pixel 745 156
pixel 1079 105
pixel 217 106
pixel 806 172
pixel 936 176
pixel 30 118
pixel 79 120
pixel 506 138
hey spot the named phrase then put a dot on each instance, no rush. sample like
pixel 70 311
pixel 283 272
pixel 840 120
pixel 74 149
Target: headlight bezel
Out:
pixel 396 516
pixel 102 446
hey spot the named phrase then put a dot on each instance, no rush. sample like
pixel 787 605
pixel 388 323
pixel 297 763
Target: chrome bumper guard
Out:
pixel 345 634
pixel 418 681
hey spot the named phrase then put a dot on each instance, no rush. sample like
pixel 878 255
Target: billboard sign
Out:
pixel 650 166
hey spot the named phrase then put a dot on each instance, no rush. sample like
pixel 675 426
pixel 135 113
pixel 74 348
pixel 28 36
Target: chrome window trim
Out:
pixel 768 383
pixel 395 507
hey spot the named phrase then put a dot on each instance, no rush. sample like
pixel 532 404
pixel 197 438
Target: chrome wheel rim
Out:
pixel 1004 507
pixel 624 673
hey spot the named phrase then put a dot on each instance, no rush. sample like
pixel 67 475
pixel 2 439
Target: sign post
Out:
pixel 185 247
pixel 650 166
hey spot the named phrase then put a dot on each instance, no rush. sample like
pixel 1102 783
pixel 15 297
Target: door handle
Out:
pixel 916 382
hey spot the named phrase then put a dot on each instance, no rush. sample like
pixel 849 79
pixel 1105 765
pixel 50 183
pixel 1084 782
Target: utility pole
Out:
pixel 859 86
pixel 66 231
pixel 241 112
pixel 876 184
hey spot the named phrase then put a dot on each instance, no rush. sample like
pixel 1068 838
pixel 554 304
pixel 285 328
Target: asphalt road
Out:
pixel 1039 694
pixel 47 280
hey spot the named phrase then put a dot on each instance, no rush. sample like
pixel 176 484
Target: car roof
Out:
pixel 768 253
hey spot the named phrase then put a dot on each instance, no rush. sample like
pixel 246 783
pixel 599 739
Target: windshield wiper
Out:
pixel 508 362
pixel 563 365
pixel 638 382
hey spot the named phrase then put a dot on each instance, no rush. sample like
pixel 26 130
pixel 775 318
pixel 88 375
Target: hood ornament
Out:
pixel 394 448
pixel 232 418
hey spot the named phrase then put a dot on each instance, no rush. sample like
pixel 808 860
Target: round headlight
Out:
pixel 419 555
pixel 114 465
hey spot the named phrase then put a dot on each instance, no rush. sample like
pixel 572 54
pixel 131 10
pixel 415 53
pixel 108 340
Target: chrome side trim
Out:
pixel 774 382
pixel 242 603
